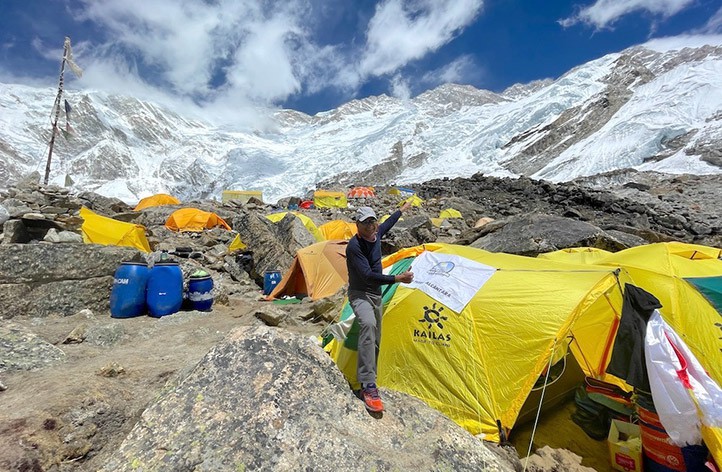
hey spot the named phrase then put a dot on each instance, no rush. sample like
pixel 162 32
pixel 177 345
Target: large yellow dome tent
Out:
pixel 477 362
pixel 98 229
pixel 156 200
pixel 193 219
pixel 318 271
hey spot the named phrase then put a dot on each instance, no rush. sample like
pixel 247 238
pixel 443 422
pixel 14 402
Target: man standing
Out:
pixel 365 278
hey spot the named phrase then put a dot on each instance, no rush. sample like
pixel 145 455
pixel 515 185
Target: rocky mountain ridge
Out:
pixel 649 107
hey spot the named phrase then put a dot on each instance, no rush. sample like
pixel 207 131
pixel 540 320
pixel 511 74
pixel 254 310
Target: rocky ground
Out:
pixel 75 381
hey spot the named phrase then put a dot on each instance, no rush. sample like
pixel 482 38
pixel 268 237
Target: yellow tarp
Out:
pixel 327 199
pixel 338 229
pixel 156 200
pixel 478 366
pixel 193 219
pixel 307 222
pixel 98 229
pixel 237 244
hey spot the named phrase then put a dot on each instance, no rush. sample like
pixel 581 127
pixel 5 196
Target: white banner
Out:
pixel 449 279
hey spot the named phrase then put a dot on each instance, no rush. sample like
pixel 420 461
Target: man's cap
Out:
pixel 364 213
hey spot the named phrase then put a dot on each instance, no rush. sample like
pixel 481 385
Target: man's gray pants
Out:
pixel 368 308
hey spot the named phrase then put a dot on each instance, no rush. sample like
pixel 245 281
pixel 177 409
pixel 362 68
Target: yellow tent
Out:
pixel 307 222
pixel 478 362
pixel 405 192
pixel 156 200
pixel 98 229
pixel 415 200
pixel 450 213
pixel 328 199
pixel 318 271
pixel 193 219
pixel 576 255
pixel 687 280
pixel 241 195
pixel 338 229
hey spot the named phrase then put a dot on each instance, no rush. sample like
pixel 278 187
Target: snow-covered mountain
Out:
pixel 651 107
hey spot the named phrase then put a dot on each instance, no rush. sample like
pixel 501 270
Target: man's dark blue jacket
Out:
pixel 363 260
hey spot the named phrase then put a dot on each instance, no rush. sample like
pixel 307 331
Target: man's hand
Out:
pixel 406 277
pixel 405 206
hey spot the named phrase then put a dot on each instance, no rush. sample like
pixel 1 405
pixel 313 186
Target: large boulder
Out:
pixel 40 279
pixel 267 399
pixel 533 234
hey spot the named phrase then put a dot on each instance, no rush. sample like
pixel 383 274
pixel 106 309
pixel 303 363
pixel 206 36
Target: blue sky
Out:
pixel 225 57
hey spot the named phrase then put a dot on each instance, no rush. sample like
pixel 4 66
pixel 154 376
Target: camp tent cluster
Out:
pixel 474 331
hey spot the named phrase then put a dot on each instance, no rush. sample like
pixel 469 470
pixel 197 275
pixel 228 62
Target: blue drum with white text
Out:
pixel 127 298
pixel 165 289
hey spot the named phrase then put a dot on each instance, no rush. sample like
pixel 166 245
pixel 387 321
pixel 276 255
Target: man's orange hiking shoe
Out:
pixel 370 396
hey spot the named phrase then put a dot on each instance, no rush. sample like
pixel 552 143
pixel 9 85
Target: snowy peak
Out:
pixel 651 107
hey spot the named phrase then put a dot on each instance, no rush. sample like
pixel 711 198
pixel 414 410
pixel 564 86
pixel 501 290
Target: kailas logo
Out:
pixel 433 319
pixel 442 268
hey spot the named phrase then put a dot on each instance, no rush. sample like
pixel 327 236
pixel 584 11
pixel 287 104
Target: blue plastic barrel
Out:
pixel 127 298
pixel 199 293
pixel 270 280
pixel 165 289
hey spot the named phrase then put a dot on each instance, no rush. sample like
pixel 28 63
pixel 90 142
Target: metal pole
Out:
pixel 57 113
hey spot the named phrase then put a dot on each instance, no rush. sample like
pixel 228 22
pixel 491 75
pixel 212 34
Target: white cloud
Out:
pixel 405 30
pixel 603 13
pixel 462 70
pixel 229 58
pixel 714 24
pixel 400 87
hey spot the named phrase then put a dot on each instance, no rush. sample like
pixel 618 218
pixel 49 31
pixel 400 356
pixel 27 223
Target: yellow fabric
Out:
pixel 660 269
pixel 237 244
pixel 193 219
pixel 156 200
pixel 713 440
pixel 337 229
pixel 479 365
pixel 307 222
pixel 241 195
pixel 450 213
pixel 98 229
pixel 415 200
pixel 437 221
pixel 326 199
pixel 576 255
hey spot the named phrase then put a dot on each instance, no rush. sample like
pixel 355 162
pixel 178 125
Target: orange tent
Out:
pixel 361 192
pixel 192 219
pixel 156 200
pixel 338 229
pixel 318 271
